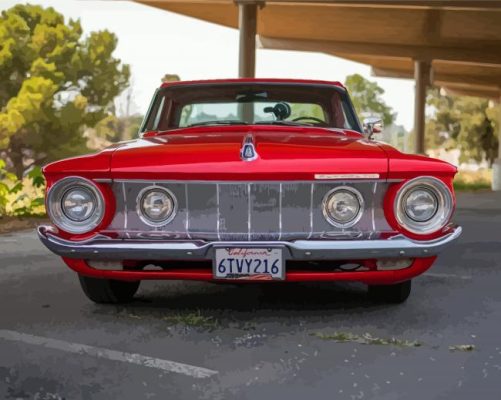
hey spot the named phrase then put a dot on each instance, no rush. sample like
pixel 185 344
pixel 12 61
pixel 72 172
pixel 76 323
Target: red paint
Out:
pixel 419 266
pixel 254 80
pixel 213 153
pixel 408 166
pixel 285 154
pixel 90 166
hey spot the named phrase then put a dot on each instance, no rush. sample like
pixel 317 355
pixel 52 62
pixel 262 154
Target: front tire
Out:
pixel 396 293
pixel 108 291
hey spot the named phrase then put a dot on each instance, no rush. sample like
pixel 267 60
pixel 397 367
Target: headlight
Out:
pixel 343 207
pixel 78 203
pixel 75 205
pixel 420 205
pixel 156 206
pixel 423 205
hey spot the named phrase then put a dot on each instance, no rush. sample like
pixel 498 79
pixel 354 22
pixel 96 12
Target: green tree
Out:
pixel 115 129
pixel 366 97
pixel 55 82
pixel 171 78
pixel 467 123
pixel 443 125
pixel 477 137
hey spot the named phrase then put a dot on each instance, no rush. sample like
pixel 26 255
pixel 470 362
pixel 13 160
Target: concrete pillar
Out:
pixel 422 79
pixel 496 167
pixel 247 24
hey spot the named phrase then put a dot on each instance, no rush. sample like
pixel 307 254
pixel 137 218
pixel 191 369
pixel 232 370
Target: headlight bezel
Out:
pixel 55 208
pixel 440 218
pixel 327 215
pixel 142 215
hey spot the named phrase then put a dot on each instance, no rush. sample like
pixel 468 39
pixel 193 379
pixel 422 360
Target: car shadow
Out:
pixel 254 296
pixel 207 307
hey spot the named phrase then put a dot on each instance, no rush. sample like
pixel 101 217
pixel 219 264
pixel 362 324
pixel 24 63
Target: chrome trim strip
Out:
pixel 280 213
pixel 166 181
pixel 249 224
pixel 218 212
pixel 187 222
pixel 346 176
pixel 312 187
pixel 374 190
pixel 126 211
pixel 102 247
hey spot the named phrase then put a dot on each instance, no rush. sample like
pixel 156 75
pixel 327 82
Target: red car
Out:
pixel 245 180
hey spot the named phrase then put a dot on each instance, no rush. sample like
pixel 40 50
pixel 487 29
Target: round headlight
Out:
pixel 423 205
pixel 75 205
pixel 78 203
pixel 420 204
pixel 343 207
pixel 156 206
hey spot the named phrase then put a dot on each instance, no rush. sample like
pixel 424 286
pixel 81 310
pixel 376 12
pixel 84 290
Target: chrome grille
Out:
pixel 249 211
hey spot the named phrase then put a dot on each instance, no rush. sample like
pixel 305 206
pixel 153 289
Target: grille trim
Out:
pixel 315 182
pixel 212 210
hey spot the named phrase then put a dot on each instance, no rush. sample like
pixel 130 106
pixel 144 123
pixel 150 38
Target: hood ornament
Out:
pixel 248 151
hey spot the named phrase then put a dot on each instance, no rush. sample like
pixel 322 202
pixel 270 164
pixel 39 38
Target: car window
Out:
pixel 204 112
pixel 181 106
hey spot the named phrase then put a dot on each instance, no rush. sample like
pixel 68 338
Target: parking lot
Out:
pixel 195 340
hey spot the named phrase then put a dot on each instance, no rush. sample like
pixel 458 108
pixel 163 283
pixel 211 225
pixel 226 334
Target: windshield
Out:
pixel 250 104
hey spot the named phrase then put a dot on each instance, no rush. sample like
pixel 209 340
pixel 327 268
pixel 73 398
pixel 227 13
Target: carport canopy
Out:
pixel 453 44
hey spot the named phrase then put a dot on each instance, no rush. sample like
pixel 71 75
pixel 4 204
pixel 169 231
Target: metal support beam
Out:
pixel 247 24
pixel 422 78
pixel 496 167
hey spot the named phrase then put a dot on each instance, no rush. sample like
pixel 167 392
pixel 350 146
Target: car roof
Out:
pixel 255 80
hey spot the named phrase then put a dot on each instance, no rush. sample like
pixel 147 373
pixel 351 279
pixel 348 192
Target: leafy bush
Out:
pixel 23 197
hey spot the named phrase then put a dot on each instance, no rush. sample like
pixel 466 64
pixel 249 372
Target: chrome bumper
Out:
pixel 103 248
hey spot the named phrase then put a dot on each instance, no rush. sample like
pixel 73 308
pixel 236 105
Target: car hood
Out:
pixel 284 153
pixel 209 154
pixel 214 154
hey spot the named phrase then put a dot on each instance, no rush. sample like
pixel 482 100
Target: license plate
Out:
pixel 249 263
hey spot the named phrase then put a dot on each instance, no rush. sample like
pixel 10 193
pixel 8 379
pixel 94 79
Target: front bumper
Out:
pixel 101 247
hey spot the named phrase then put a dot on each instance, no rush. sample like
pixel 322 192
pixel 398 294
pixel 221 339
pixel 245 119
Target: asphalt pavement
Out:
pixel 190 340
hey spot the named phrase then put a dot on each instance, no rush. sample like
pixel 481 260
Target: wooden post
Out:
pixel 247 24
pixel 422 79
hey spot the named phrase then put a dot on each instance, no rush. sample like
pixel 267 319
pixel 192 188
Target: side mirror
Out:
pixel 373 125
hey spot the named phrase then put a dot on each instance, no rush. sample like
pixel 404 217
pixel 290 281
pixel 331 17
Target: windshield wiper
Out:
pixel 221 122
pixel 287 123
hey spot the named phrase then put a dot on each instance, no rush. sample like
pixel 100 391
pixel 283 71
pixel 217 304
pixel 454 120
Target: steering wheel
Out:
pixel 311 119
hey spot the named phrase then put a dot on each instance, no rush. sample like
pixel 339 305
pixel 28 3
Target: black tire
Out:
pixel 396 293
pixel 108 291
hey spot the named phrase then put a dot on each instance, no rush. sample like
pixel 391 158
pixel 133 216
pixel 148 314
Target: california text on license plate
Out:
pixel 249 263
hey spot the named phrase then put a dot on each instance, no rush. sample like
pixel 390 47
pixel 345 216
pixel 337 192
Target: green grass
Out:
pixel 473 180
pixel 474 186
pixel 189 319
pixel 192 319
pixel 366 338
pixel 462 347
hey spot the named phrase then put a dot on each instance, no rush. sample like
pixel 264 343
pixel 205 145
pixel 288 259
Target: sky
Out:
pixel 156 42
